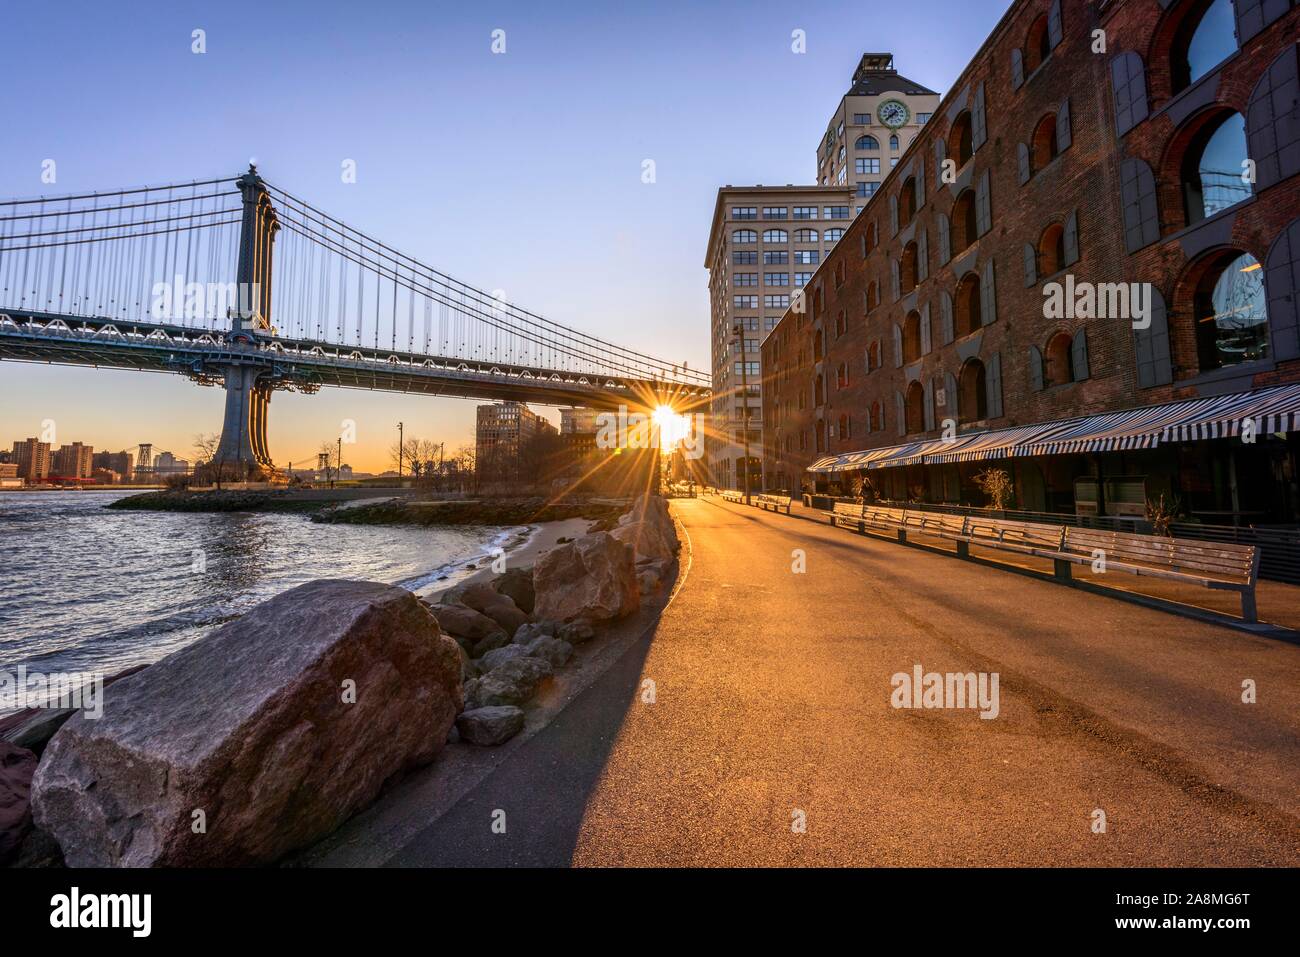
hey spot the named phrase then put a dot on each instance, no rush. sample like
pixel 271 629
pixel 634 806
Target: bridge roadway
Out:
pixel 773 695
pixel 202 354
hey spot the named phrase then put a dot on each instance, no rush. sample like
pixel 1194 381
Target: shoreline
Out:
pixel 540 538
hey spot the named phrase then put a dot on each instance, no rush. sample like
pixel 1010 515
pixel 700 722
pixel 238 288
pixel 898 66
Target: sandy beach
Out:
pixel 521 552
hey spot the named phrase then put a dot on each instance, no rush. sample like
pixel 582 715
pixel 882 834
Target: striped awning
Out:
pixel 850 460
pixel 913 453
pixel 1275 409
pixel 996 444
pixel 1270 410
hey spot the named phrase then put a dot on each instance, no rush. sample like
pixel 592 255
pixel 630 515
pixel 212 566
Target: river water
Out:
pixel 89 589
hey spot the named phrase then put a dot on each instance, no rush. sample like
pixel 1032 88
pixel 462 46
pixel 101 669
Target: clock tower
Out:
pixel 875 122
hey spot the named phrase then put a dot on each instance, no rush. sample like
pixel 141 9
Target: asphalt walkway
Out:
pixel 771 739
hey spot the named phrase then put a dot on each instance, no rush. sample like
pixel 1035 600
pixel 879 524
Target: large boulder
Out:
pixel 490 726
pixel 517 585
pixel 464 622
pixel 486 600
pixel 593 577
pixel 649 528
pixel 277 727
pixel 17 765
pixel 647 539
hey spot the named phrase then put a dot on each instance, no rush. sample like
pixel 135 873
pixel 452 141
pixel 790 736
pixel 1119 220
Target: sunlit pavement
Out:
pixel 771 739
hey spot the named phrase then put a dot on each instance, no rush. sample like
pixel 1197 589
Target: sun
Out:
pixel 671 425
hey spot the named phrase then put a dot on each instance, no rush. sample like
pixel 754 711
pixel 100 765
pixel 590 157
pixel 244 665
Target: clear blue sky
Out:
pixel 519 171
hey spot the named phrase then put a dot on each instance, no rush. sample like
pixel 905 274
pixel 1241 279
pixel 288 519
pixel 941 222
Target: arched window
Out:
pixel 775 236
pixel 1038 47
pixel 960 146
pixel 842 376
pixel 841 324
pixel 805 235
pixel 912 337
pixel 893 142
pixel 740 237
pixel 907 201
pixel 1058 363
pixel 964 224
pixel 908 270
pixel 873 356
pixel 819 391
pixel 846 427
pixel 867 142
pixel 1051 250
pixel 873 295
pixel 877 418
pixel 1044 147
pixel 834 235
pixel 967 305
pixel 869 239
pixel 972 399
pixel 1230 311
pixel 915 407
pixel 1212 167
pixel 1205 38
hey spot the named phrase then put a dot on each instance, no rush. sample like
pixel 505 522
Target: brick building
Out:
pixel 33 459
pixel 1084 146
pixel 505 437
pixel 73 461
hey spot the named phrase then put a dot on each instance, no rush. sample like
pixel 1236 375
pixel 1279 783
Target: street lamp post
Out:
pixel 400 447
pixel 739 330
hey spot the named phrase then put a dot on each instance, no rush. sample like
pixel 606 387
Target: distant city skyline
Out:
pixel 487 165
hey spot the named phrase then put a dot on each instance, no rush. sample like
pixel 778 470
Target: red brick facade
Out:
pixel 819 394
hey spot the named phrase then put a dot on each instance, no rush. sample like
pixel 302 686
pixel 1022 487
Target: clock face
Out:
pixel 893 113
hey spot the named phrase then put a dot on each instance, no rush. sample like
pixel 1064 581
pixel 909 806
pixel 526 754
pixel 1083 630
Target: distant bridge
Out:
pixel 181 279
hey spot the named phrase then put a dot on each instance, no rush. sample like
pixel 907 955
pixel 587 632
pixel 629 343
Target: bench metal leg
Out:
pixel 902 535
pixel 963 549
pixel 1248 610
pixel 1061 569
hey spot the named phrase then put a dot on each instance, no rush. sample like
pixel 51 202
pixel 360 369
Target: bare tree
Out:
pixel 401 454
pixel 207 448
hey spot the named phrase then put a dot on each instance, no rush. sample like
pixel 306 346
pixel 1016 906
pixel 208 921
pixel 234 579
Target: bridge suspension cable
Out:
pixel 171 254
pixel 328 262
pixel 118 254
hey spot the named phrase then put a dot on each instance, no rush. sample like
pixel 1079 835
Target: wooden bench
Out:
pixel 775 503
pixel 1027 538
pixel 1217 565
pixel 865 518
pixel 730 495
pixel 937 524
pixel 847 514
